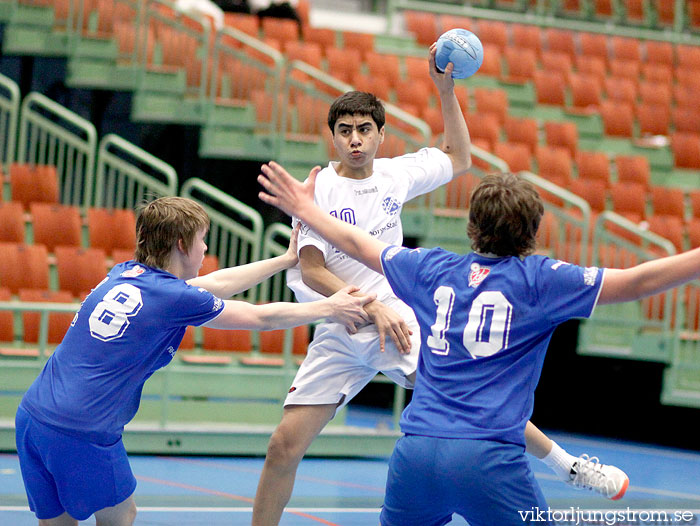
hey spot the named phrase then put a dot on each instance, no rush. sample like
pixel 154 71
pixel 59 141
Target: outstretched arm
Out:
pixel 456 141
pixel 342 307
pixel 649 278
pixel 388 322
pixel 228 282
pixel 297 199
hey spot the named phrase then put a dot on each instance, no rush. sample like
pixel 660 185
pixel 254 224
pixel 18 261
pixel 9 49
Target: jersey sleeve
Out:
pixel 401 266
pixel 195 306
pixel 426 170
pixel 568 291
pixel 308 237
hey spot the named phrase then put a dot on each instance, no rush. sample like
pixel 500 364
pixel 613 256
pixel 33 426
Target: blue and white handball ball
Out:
pixel 461 47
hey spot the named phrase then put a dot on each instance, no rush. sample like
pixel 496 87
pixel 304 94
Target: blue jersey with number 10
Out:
pixel 485 325
pixel 129 326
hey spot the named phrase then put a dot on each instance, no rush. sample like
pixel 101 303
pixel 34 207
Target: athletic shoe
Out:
pixel 588 473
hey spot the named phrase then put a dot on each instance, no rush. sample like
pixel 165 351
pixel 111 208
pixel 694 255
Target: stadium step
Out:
pixel 231 143
pixel 37 41
pixel 681 385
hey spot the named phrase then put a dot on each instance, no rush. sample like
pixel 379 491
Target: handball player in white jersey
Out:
pixel 370 193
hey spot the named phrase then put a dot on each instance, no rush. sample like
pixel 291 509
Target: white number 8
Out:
pixel 110 318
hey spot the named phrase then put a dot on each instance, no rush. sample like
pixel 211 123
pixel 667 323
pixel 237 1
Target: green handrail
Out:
pixel 44 309
pixel 236 231
pixel 52 134
pixel 9 115
pixel 128 175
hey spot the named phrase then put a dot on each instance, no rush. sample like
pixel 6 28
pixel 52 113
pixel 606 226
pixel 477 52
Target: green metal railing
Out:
pixel 52 134
pixel 275 243
pixel 163 26
pixel 44 309
pixel 9 115
pixel 243 64
pixel 646 329
pixel 127 175
pixel 236 232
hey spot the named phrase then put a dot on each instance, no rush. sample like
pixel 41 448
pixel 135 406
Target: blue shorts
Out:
pixel 485 482
pixel 63 473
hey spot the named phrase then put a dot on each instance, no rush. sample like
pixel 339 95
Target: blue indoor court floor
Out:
pixel 215 491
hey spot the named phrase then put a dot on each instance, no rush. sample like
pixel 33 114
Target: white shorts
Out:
pixel 338 365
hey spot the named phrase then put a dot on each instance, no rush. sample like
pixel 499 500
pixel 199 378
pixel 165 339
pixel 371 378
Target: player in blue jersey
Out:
pixel 485 319
pixel 370 192
pixel 70 421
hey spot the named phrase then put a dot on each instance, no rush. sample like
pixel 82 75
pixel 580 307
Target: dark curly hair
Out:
pixel 504 215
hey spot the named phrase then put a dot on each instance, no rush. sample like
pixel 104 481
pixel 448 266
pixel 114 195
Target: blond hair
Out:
pixel 162 223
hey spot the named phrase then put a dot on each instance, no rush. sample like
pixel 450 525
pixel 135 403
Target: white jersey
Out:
pixel 373 204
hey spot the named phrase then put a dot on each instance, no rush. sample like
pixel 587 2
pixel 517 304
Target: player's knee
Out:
pixel 131 514
pixel 283 450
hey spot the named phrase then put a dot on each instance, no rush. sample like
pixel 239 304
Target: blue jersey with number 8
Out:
pixel 485 326
pixel 128 327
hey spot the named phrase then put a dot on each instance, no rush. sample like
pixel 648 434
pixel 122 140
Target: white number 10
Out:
pixel 487 329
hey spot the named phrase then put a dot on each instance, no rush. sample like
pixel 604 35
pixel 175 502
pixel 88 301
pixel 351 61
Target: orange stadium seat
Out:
pixel 562 41
pixel 563 134
pixel 30 184
pixel 686 119
pixel 618 118
pixel 634 10
pixel 363 42
pixel 386 66
pixel 7 331
pixel 24 266
pixel 633 169
pixel 594 45
pixel 686 150
pixel 693 230
pixel 694 197
pixel 521 65
pixel 516 155
pixel 55 224
pixel 527 37
pixel 281 29
pixel 550 88
pixel 433 117
pixel 659 53
pixel 522 131
pixel 593 166
pixel 447 22
pixel 423 26
pixel 668 201
pixel 111 229
pixel 11 222
pixel 624 48
pixel 554 164
pixel 557 61
pixel 343 63
pixel 233 341
pixel 494 101
pixel 413 93
pixel 248 24
pixel 80 269
pixel 653 119
pixel 492 64
pixel 322 36
pixel 494 33
pixel 621 89
pixel 629 200
pixel 272 342
pixel 378 85
pixel 308 52
pixel 591 66
pixel 485 127
pixel 592 190
pixel 658 73
pixel 655 93
pixel 626 69
pixel 668 227
pixel 688 58
pixel 58 321
pixel 585 94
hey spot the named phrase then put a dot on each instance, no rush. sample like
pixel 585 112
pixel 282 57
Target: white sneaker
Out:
pixel 588 473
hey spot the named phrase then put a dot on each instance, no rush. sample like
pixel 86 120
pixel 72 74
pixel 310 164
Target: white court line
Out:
pixel 640 489
pixel 184 509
